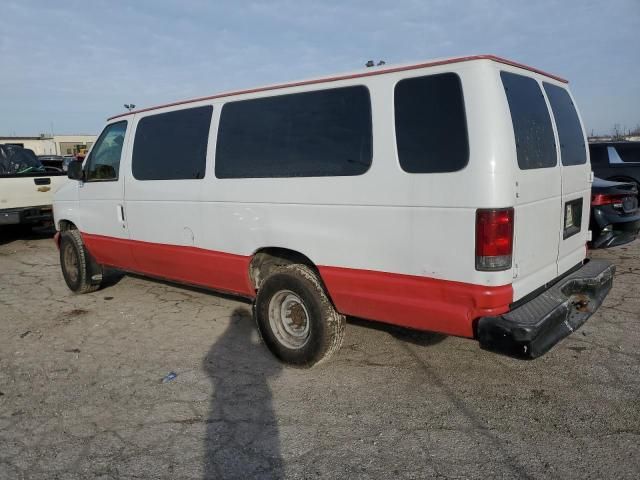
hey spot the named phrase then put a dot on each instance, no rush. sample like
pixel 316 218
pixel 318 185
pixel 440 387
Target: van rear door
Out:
pixel 576 177
pixel 538 208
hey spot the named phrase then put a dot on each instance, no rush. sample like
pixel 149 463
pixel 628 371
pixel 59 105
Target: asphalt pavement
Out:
pixel 81 391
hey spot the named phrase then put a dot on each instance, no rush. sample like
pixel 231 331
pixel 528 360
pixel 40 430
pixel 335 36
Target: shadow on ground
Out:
pixel 11 233
pixel 416 337
pixel 242 439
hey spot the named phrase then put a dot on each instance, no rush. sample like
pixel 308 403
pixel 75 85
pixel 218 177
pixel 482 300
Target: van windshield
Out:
pixel 16 161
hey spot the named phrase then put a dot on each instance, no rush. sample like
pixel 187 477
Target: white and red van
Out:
pixel 449 196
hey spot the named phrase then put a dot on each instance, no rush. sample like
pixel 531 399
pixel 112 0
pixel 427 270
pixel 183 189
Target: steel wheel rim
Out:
pixel 289 319
pixel 70 262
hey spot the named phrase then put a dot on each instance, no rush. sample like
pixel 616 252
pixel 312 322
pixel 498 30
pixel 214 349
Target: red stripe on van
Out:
pixel 410 301
pixel 373 72
pixel 191 265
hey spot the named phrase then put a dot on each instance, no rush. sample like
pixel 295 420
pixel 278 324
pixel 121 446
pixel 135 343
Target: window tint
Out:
pixel 629 152
pixel 598 154
pixel 573 151
pixel 614 156
pixel 173 145
pixel 431 126
pixel 311 134
pixel 104 161
pixel 535 144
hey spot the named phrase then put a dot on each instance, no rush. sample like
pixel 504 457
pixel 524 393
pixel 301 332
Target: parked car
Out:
pixel 615 216
pixel 430 196
pixel 52 161
pixel 26 186
pixel 616 161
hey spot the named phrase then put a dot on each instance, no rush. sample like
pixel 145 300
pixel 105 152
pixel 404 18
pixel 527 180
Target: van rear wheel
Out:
pixel 76 263
pixel 295 317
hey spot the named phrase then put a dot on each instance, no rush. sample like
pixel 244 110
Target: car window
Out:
pixel 573 150
pixel 172 145
pixel 598 154
pixel 535 144
pixel 431 125
pixel 613 155
pixel 629 152
pixel 310 134
pixel 104 161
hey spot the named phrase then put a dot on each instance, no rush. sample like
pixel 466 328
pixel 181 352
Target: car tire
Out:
pixel 76 263
pixel 295 317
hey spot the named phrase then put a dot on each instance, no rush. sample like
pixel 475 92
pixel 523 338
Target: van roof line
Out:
pixel 366 73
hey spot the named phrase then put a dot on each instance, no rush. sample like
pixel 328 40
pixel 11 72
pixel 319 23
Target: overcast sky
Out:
pixel 66 65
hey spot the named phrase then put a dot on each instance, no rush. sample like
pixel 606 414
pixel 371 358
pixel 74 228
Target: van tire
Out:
pixel 76 263
pixel 321 328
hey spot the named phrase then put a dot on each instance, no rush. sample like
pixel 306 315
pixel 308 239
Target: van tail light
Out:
pixel 494 239
pixel 604 199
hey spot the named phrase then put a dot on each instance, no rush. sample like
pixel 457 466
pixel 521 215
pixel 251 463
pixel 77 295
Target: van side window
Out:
pixel 104 162
pixel 573 150
pixel 535 144
pixel 431 125
pixel 172 145
pixel 311 134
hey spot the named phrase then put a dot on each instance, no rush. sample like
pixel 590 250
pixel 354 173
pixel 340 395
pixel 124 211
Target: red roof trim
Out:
pixel 349 77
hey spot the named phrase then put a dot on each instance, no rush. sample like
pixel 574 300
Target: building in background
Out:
pixel 45 144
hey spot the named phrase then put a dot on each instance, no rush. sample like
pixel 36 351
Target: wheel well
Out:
pixel 265 259
pixel 66 225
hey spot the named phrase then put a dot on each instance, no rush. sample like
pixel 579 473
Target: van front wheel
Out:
pixel 76 263
pixel 295 317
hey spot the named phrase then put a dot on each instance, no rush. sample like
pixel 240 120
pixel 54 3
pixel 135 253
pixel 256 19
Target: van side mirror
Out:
pixel 75 171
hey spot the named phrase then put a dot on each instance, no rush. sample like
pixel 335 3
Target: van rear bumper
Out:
pixel 531 329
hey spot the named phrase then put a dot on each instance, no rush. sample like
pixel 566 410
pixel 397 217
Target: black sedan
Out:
pixel 615 216
pixel 617 161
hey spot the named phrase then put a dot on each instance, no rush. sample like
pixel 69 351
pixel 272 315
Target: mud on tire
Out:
pixel 76 263
pixel 296 318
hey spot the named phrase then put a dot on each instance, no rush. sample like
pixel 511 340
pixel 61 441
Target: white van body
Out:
pixel 389 245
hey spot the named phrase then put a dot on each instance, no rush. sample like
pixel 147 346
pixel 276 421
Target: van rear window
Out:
pixel 311 134
pixel 172 145
pixel 535 144
pixel 573 150
pixel 431 125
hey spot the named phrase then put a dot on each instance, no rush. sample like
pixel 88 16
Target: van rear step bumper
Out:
pixel 531 329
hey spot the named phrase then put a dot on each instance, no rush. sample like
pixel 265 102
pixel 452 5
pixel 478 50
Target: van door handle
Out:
pixel 121 213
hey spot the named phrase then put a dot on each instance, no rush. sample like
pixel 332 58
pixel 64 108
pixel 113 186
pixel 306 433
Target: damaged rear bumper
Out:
pixel 532 328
